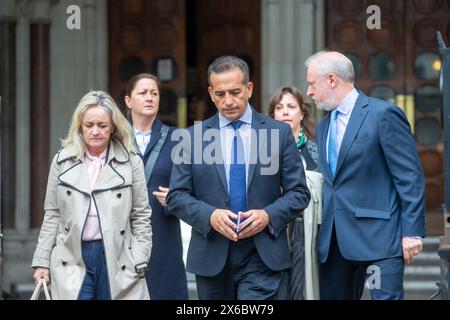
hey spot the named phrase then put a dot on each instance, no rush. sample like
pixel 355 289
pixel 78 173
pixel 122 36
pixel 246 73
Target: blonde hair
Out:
pixel 122 130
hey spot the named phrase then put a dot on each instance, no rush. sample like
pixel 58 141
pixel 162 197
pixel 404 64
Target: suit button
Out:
pixel 119 195
pixel 122 267
pixel 69 192
pixel 64 262
pixel 122 232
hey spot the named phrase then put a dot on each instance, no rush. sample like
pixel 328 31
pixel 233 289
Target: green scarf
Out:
pixel 301 140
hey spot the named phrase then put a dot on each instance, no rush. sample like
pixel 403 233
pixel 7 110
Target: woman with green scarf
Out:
pixel 288 105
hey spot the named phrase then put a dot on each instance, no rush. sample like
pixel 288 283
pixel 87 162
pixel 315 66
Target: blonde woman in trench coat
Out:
pixel 95 240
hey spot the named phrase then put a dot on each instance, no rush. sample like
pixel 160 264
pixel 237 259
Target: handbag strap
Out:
pixel 155 152
pixel 37 290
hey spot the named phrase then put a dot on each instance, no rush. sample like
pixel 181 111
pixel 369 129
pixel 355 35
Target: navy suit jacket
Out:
pixel 197 189
pixel 377 194
pixel 166 275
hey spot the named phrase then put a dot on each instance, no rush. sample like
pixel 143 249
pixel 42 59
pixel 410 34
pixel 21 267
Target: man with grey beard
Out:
pixel 373 205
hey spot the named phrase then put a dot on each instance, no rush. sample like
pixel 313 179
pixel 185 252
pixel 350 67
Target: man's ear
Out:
pixel 250 89
pixel 332 80
pixel 211 93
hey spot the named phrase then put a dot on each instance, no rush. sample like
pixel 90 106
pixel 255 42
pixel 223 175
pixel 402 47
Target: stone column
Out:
pixel 79 61
pixel 39 110
pixel 22 123
pixel 7 113
pixel 292 30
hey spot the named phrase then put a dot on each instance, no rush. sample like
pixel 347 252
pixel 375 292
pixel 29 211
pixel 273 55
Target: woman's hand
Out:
pixel 41 273
pixel 161 195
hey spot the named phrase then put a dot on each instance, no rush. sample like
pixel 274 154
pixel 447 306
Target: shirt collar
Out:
pixel 143 133
pixel 347 104
pixel 246 117
pixel 92 157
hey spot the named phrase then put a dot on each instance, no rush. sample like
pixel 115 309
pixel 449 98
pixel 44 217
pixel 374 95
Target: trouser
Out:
pixel 95 284
pixel 344 279
pixel 244 277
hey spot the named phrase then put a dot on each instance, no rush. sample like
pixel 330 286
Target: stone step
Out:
pixel 431 240
pixel 421 276
pixel 431 270
pixel 420 285
pixel 424 260
pixel 427 255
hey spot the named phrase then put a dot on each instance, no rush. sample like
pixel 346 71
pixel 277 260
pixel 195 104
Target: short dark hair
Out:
pixel 227 63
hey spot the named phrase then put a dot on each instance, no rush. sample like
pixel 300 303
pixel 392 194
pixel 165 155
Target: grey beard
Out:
pixel 325 107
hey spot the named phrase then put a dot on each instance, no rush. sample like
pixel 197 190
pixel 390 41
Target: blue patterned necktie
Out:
pixel 332 148
pixel 238 186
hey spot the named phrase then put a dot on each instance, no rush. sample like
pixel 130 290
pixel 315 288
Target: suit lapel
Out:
pixel 154 137
pixel 257 123
pixel 354 124
pixel 214 124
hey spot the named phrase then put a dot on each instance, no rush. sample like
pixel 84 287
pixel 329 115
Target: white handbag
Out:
pixel 37 290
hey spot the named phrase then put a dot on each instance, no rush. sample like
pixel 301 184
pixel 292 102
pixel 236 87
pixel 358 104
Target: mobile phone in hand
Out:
pixel 239 222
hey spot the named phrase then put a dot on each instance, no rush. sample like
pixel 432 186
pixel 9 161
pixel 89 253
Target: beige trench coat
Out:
pixel 312 218
pixel 120 194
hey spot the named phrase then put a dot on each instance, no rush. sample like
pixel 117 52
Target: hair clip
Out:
pixel 101 97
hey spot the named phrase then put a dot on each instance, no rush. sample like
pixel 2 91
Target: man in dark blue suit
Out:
pixel 248 165
pixel 373 206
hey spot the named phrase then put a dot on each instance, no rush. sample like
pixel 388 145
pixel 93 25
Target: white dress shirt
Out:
pixel 227 136
pixel 142 139
pixel 345 108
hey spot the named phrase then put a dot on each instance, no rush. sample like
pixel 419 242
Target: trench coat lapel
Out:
pixel 110 178
pixel 76 176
